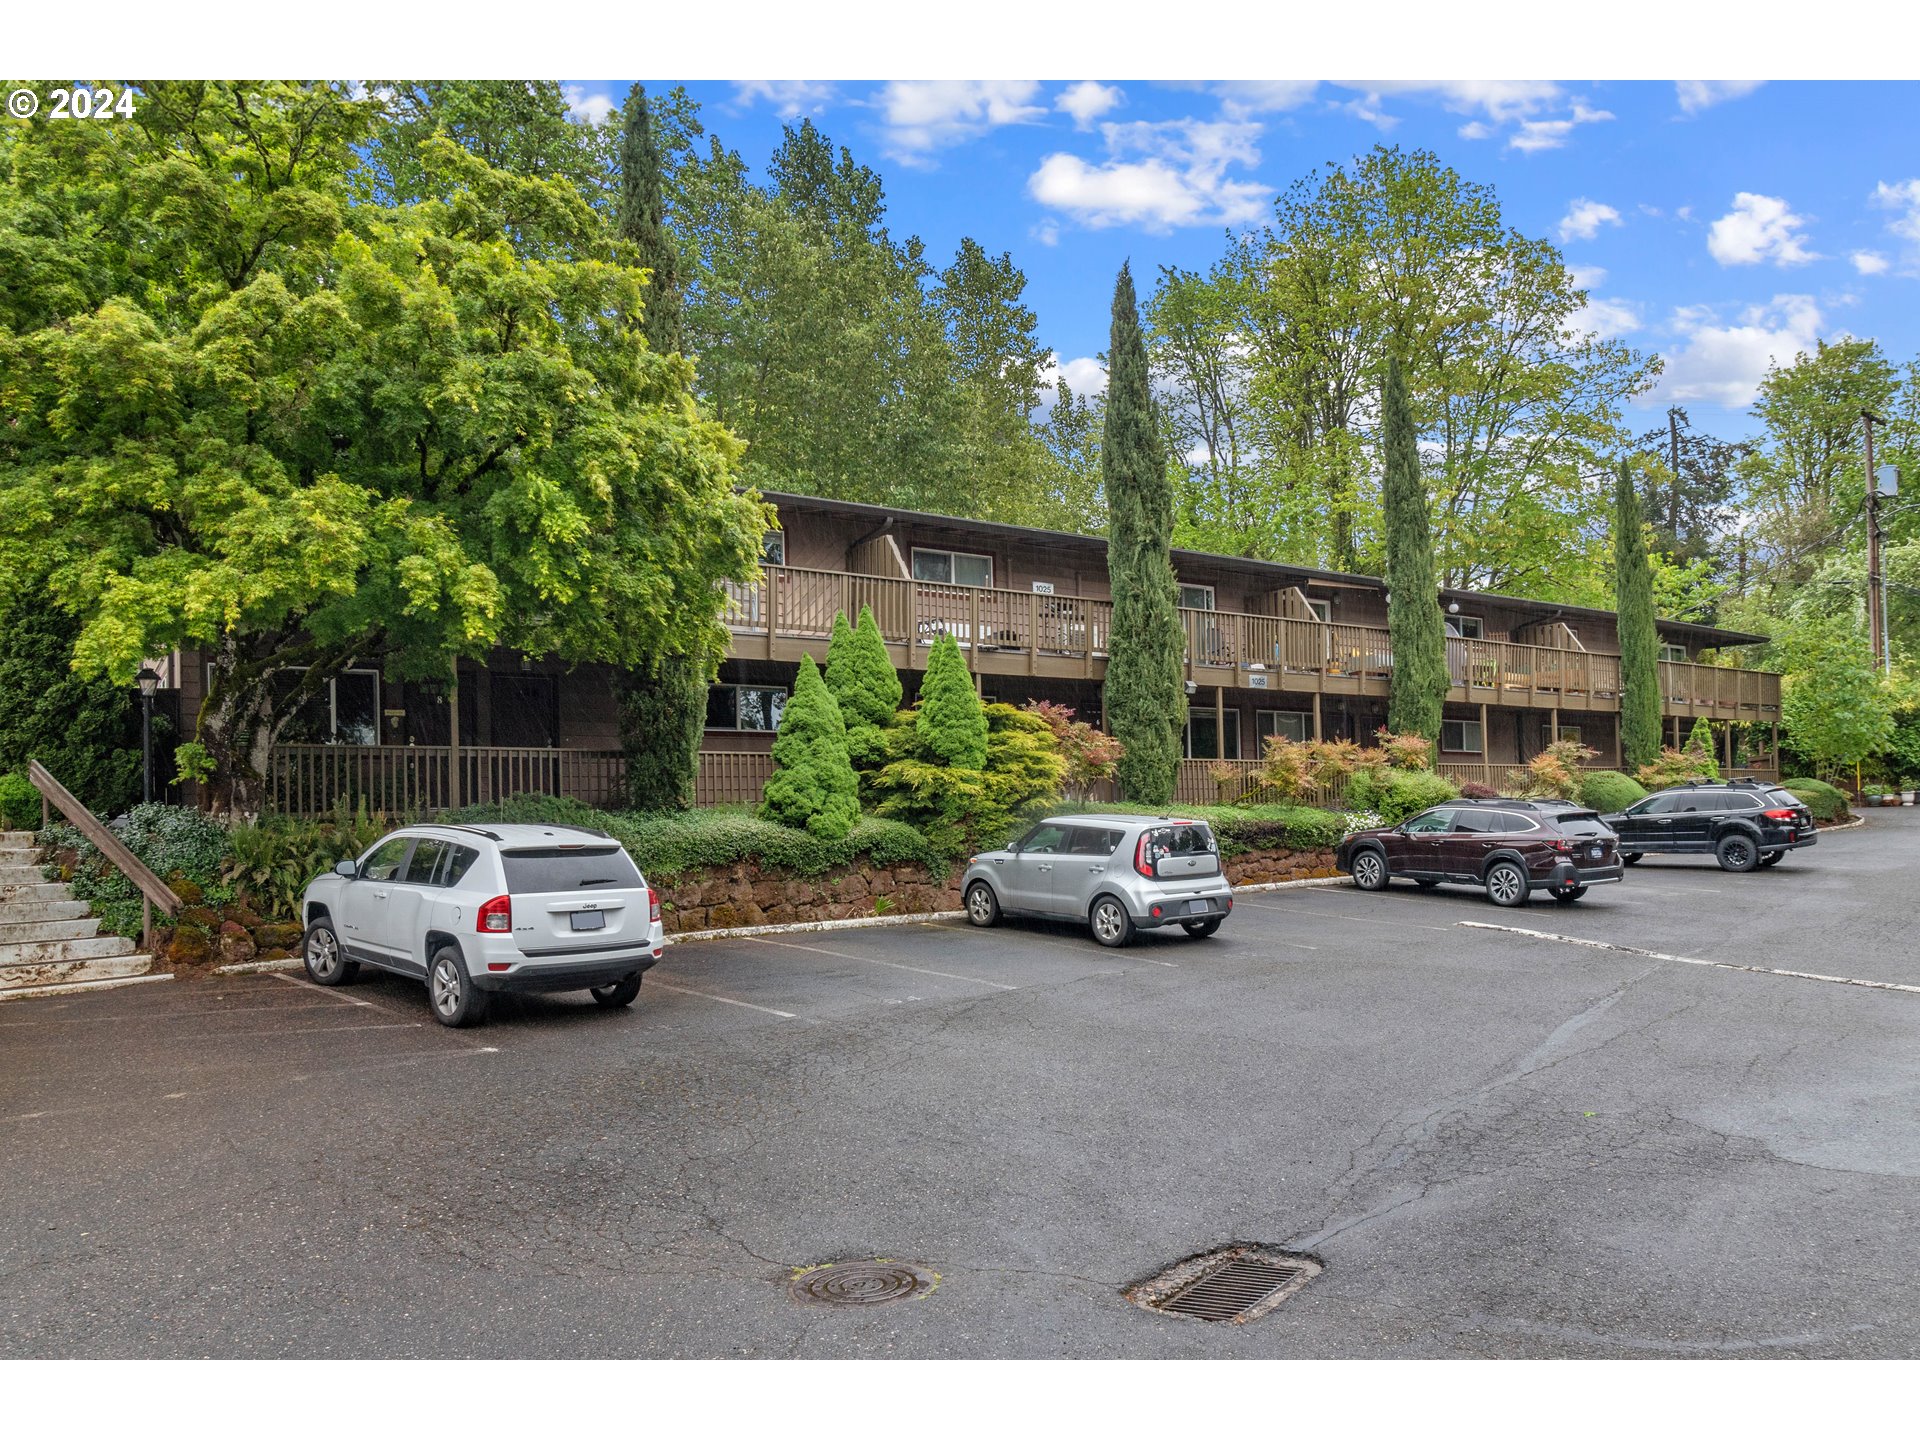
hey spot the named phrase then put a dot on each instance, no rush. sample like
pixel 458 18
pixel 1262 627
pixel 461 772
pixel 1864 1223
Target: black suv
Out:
pixel 1741 823
pixel 1512 847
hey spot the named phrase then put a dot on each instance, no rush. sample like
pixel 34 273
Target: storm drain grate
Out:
pixel 1238 1284
pixel 861 1282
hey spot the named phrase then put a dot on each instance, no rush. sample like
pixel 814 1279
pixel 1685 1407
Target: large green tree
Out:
pixel 1271 359
pixel 663 700
pixel 252 410
pixel 83 728
pixel 1639 636
pixel 949 723
pixel 861 675
pixel 1146 701
pixel 813 787
pixel 1415 630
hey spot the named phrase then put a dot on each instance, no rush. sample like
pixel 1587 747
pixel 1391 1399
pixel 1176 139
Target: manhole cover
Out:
pixel 1239 1283
pixel 861 1282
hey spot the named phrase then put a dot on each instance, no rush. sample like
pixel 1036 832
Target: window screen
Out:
pixel 536 872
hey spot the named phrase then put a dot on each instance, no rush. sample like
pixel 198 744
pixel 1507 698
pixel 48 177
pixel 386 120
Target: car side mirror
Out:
pixel 346 868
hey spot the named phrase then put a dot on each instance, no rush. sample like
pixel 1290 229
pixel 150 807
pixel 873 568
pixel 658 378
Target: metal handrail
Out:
pixel 153 890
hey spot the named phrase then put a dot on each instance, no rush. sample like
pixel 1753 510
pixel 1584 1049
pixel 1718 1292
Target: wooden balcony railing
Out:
pixel 415 779
pixel 1013 631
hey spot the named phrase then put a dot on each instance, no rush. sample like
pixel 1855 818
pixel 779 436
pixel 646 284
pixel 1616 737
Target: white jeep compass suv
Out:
pixel 475 909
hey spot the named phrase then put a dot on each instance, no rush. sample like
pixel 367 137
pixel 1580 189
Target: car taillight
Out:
pixel 1563 847
pixel 653 906
pixel 1140 862
pixel 495 915
pixel 1778 815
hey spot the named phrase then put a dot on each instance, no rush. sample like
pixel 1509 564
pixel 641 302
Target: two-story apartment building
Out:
pixel 1271 650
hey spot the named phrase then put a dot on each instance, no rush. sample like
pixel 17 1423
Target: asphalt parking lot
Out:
pixel 1498 1144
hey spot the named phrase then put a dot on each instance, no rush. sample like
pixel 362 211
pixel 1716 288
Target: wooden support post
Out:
pixel 453 740
pixel 1730 749
pixel 1220 722
pixel 1316 714
pixel 146 921
pixel 1773 749
pixel 1553 721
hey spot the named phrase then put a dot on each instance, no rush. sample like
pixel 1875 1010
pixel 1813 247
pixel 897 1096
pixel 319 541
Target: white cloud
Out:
pixel 1586 277
pixel 924 115
pixel 1698 95
pixel 1552 134
pixel 1087 100
pixel 1368 108
pixel 1158 175
pixel 1584 218
pixel 1605 318
pixel 1047 232
pixel 1241 98
pixel 1904 200
pixel 1476 130
pixel 789 98
pixel 1759 227
pixel 1085 376
pixel 1498 101
pixel 1724 364
pixel 1869 262
pixel 590 109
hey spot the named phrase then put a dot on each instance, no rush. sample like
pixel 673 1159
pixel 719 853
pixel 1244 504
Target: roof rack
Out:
pixel 470 829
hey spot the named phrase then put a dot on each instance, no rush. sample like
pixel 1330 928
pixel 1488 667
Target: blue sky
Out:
pixel 1716 223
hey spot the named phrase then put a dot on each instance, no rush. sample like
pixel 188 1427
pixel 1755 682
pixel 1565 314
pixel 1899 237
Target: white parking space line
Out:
pixel 306 984
pixel 974 933
pixel 303 1030
pixel 1689 959
pixel 146 1018
pixel 868 960
pixel 653 984
pixel 1337 915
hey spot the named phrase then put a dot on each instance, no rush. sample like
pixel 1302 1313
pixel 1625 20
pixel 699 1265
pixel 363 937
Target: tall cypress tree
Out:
pixel 1639 637
pixel 643 220
pixel 1415 630
pixel 663 708
pixel 1146 699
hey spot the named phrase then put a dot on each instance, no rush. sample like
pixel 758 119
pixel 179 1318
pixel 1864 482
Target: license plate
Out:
pixel 1597 852
pixel 1197 907
pixel 589 920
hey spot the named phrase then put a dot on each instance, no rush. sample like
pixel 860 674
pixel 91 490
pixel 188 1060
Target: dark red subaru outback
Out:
pixel 1509 847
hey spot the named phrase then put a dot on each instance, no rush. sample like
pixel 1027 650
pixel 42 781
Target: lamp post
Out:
pixel 149 682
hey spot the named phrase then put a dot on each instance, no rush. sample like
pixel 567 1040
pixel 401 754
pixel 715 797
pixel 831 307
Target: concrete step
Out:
pixel 72 972
pixel 16 837
pixel 45 890
pixel 18 855
pixel 80 927
pixel 39 952
pixel 20 874
pixel 25 912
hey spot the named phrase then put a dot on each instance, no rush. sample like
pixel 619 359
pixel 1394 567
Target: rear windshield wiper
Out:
pixel 605 880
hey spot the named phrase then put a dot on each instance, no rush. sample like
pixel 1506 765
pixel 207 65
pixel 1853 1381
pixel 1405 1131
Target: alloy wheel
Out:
pixel 323 953
pixel 1368 870
pixel 1107 920
pixel 980 905
pixel 1505 884
pixel 446 986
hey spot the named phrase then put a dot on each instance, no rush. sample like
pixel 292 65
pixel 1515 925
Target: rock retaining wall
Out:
pixel 743 894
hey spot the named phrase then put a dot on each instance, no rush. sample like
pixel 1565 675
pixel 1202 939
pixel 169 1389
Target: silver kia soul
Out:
pixel 1118 873
pixel 473 910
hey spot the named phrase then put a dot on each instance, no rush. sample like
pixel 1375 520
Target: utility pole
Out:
pixel 1876 582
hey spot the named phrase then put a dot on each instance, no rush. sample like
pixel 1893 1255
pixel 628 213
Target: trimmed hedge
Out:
pixel 1240 828
pixel 1399 794
pixel 665 845
pixel 1609 791
pixel 1826 802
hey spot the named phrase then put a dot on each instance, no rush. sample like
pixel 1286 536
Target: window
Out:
pixel 952 567
pixel 1567 732
pixel 1474 822
pixel 1468 627
pixel 1511 822
pixel 344 711
pixel 459 860
pixel 1656 805
pixel 1044 840
pixel 1463 737
pixel 1196 597
pixel 384 862
pixel 1290 723
pixel 537 872
pixel 745 707
pixel 1434 822
pixel 426 859
pixel 1201 735
pixel 525 708
pixel 773 548
pixel 1083 840
pixel 1322 610
pixel 1676 654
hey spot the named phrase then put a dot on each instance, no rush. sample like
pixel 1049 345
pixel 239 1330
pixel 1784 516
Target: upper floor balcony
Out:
pixel 1014 632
